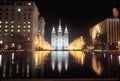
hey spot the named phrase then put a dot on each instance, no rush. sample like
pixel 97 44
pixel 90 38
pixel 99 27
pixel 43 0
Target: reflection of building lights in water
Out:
pixel 10 71
pixel 111 57
pixel 104 55
pixel 36 59
pixel 12 58
pixel 4 69
pixel 97 66
pixel 53 59
pixel 59 55
pixel 28 70
pixel 65 58
pixel 40 57
pixel 0 60
pixel 119 59
pixel 79 56
pixel 17 68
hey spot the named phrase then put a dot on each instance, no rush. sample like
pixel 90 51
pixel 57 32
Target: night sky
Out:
pixel 78 15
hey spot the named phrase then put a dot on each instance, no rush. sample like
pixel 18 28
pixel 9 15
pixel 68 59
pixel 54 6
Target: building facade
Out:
pixel 18 23
pixel 108 32
pixel 59 39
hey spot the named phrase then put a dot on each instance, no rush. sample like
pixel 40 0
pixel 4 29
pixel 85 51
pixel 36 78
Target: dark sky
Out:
pixel 79 15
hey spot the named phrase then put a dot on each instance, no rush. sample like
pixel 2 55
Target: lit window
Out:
pixel 28 30
pixel 19 10
pixel 28 38
pixel 0 26
pixel 12 22
pixel 28 26
pixel 28 22
pixel 1 42
pixel 18 26
pixel 6 22
pixel 0 22
pixel 12 26
pixel 6 30
pixel 29 4
pixel 12 30
pixel 11 34
pixel 18 30
pixel 24 26
pixel 6 26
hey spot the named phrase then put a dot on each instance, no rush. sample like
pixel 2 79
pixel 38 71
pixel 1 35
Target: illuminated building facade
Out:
pixel 108 31
pixel 18 22
pixel 41 26
pixel 59 39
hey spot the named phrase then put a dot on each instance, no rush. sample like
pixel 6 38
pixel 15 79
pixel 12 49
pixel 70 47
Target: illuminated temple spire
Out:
pixel 66 30
pixel 59 27
pixel 53 29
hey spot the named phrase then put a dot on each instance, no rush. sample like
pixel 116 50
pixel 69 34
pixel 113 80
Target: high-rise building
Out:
pixel 59 39
pixel 18 22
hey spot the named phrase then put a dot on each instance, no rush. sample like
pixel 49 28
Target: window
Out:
pixel 24 30
pixel 28 22
pixel 6 22
pixel 28 30
pixel 18 30
pixel 12 30
pixel 12 26
pixel 18 26
pixel 28 26
pixel 12 9
pixel 6 13
pixel 12 22
pixel 0 22
pixel 29 3
pixel 6 34
pixel 7 9
pixel 24 26
pixel 6 26
pixel 11 34
pixel 6 30
pixel 24 22
pixel 12 13
pixel 0 26
pixel 28 38
pixel 19 10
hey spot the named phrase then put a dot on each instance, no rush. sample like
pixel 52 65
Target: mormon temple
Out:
pixel 59 38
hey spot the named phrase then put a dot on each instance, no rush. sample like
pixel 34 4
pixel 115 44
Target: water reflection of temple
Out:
pixel 59 60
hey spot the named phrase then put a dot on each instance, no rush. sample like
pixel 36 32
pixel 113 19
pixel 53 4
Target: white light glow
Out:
pixel 19 10
pixel 1 42
pixel 29 4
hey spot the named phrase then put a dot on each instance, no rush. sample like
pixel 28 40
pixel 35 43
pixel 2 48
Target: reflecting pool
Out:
pixel 59 64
